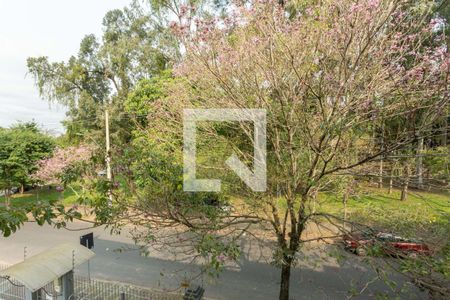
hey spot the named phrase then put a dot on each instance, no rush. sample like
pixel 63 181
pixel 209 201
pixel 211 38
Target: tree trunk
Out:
pixel 404 194
pixel 344 201
pixel 445 142
pixel 285 280
pixel 380 179
pixel 22 189
pixel 391 180
pixel 314 199
pixel 419 163
pixel 428 177
pixel 7 200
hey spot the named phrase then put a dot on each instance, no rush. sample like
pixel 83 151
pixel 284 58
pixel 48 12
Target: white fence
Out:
pixel 85 289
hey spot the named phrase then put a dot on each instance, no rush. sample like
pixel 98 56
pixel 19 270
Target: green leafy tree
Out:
pixel 21 147
pixel 104 71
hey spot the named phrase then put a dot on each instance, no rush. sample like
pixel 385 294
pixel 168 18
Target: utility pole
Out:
pixel 108 155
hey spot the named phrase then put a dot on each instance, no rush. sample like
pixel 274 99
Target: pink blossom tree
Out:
pixel 328 76
pixel 52 169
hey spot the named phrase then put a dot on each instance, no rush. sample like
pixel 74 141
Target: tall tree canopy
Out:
pixel 100 76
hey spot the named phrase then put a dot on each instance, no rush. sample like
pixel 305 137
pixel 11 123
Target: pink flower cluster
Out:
pixel 259 36
pixel 50 169
pixel 361 6
pixel 182 26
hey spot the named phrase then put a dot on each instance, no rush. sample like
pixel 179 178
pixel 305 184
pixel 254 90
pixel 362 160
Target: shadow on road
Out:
pixel 123 262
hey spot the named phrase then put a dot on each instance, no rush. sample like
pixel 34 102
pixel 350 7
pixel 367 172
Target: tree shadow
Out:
pixel 249 279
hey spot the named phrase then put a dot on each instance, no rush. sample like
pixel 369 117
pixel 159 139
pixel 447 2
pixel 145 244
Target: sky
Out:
pixel 52 28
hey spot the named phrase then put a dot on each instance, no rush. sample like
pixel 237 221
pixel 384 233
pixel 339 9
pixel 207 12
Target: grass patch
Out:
pixel 68 197
pixel 427 206
pixel 423 215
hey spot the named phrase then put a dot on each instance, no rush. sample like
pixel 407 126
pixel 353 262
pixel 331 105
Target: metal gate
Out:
pixel 11 290
pixel 85 289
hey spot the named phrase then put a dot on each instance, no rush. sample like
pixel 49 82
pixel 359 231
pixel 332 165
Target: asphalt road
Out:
pixel 251 278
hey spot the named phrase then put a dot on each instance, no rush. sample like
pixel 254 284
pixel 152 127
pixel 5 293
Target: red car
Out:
pixel 390 244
